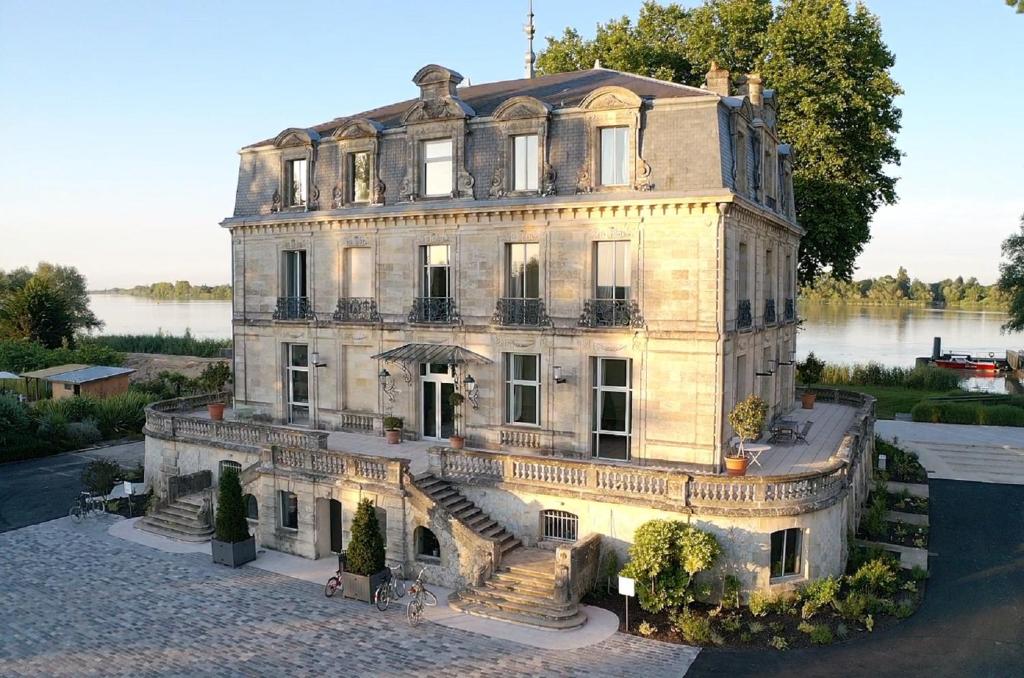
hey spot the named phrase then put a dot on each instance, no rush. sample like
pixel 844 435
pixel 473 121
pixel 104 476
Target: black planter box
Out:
pixel 234 554
pixel 362 587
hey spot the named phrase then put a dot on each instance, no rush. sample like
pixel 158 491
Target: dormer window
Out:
pixel 437 168
pixel 614 156
pixel 524 161
pixel 359 171
pixel 295 181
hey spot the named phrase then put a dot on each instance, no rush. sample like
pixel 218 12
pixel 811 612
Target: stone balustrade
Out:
pixel 357 467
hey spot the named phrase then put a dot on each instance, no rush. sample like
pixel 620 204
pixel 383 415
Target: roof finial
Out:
pixel 529 30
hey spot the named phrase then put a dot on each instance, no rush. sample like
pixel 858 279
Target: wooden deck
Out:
pixel 831 423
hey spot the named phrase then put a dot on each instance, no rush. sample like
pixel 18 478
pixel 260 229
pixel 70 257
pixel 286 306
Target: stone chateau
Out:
pixel 600 265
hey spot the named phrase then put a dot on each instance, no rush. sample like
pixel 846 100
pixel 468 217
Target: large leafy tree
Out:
pixel 837 97
pixel 1019 4
pixel 47 306
pixel 1011 278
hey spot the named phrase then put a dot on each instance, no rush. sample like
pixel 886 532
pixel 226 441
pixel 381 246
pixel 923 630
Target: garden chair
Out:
pixel 802 435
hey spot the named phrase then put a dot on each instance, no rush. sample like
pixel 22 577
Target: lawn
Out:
pixel 891 399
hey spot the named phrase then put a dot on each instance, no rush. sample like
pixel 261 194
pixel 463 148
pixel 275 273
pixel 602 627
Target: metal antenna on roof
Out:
pixel 529 30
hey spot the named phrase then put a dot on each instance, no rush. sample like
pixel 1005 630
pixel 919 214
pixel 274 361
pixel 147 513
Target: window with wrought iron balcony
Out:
pixel 744 318
pixel 523 305
pixel 612 305
pixel 358 305
pixel 436 304
pixel 790 310
pixel 769 312
pixel 295 304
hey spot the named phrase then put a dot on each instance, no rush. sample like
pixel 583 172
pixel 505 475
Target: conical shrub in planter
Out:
pixel 365 569
pixel 232 544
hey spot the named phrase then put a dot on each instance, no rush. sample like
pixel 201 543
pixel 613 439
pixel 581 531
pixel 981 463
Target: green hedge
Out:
pixel 163 343
pixel 967 413
pixel 26 356
pixel 925 378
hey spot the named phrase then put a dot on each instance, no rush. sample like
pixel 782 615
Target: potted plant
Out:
pixel 393 429
pixel 809 372
pixel 212 380
pixel 364 569
pixel 456 439
pixel 747 419
pixel 232 544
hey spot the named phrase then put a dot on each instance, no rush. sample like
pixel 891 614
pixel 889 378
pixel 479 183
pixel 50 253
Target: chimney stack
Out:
pixel 755 89
pixel 718 80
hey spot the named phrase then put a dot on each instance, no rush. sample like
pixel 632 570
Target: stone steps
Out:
pixel 489 611
pixel 448 497
pixel 182 519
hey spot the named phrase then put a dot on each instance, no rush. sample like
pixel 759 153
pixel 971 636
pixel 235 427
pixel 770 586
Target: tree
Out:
pixel 48 306
pixel 366 549
pixel 1019 4
pixel 831 69
pixel 100 475
pixel 231 525
pixel 1011 278
pixel 665 557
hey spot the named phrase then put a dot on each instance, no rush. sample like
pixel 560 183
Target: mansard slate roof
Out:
pixel 560 90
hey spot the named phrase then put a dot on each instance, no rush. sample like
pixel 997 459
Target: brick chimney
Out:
pixel 718 80
pixel 755 89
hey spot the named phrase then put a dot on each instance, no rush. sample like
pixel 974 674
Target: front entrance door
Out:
pixel 335 523
pixel 437 414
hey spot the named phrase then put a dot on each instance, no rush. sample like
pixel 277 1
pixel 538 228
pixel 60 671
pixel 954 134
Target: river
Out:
pixel 837 333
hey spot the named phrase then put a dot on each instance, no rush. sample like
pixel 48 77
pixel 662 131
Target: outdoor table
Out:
pixel 754 450
pixel 787 426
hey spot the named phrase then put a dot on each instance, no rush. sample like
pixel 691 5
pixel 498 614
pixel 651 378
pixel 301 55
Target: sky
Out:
pixel 122 120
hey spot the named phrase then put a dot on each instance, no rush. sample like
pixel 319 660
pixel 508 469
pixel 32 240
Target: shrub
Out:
pixel 83 433
pixel 779 643
pixel 695 628
pixel 747 417
pixel 664 558
pixel 646 629
pixel 856 604
pixel 877 577
pixel 918 573
pixel 730 623
pixel 967 413
pixel 53 426
pixel 874 519
pixel 122 414
pixel 731 586
pixel 14 418
pixel 904 610
pixel 760 603
pixel 392 423
pixel 755 627
pixel 810 370
pixel 366 549
pixel 842 631
pixel 821 592
pixel 869 623
pixel 214 376
pixel 162 343
pixel 609 567
pixel 99 476
pixel 821 634
pixel 231 524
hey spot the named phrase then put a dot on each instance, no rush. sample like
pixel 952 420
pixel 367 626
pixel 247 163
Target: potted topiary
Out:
pixel 747 420
pixel 457 440
pixel 232 544
pixel 393 429
pixel 212 380
pixel 364 569
pixel 809 372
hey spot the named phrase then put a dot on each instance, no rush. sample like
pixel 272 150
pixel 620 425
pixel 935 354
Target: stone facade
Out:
pixel 329 254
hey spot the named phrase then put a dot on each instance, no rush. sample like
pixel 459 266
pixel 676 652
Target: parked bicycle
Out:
pixel 86 504
pixel 335 583
pixel 392 589
pixel 420 597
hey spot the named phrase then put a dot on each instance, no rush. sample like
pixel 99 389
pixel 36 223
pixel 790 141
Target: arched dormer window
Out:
pixel 296 190
pixel 522 167
pixel 358 147
pixel 615 142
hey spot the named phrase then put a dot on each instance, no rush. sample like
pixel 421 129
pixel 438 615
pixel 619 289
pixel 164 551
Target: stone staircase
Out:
pixel 521 591
pixel 183 519
pixel 445 495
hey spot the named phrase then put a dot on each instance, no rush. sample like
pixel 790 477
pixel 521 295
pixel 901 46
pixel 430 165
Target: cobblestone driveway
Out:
pixel 74 600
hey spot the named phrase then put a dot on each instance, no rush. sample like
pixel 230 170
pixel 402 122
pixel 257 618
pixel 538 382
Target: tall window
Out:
pixel 742 265
pixel 789 276
pixel 289 509
pixel 524 160
pixel 295 182
pixel 741 377
pixel 294 274
pixel 297 383
pixel 436 271
pixel 767 381
pixel 769 274
pixel 359 171
pixel 437 167
pixel 358 272
pixel 613 396
pixel 522 384
pixel 786 552
pixel 613 271
pixel 524 270
pixel 614 156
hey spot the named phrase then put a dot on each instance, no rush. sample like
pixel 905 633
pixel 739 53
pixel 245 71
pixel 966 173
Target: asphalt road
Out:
pixel 38 490
pixel 971 623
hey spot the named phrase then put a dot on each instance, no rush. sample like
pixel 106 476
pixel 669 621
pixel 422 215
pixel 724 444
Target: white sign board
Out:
pixel 127 488
pixel 627 586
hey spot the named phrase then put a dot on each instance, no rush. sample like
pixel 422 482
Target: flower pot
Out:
pixel 807 400
pixel 457 442
pixel 233 553
pixel 393 436
pixel 736 466
pixel 216 411
pixel 362 587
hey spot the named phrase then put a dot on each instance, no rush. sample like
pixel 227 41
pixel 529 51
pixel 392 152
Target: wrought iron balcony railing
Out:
pixel 356 310
pixel 518 311
pixel 770 201
pixel 293 308
pixel 790 310
pixel 433 310
pixel 769 311
pixel 744 319
pixel 610 313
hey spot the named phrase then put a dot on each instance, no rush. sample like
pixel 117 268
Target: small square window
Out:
pixel 786 559
pixel 437 168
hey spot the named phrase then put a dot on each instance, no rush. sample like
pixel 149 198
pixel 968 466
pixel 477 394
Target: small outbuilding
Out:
pixel 65 381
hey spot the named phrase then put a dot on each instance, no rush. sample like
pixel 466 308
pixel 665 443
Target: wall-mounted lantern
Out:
pixel 314 360
pixel 556 372
pixel 387 384
pixel 472 393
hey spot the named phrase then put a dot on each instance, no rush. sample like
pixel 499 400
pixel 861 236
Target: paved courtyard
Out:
pixel 78 601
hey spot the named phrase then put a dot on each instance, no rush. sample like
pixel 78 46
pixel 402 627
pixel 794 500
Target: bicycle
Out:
pixel 420 597
pixel 335 583
pixel 392 589
pixel 86 504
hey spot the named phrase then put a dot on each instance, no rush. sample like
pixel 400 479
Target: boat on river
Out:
pixel 965 361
